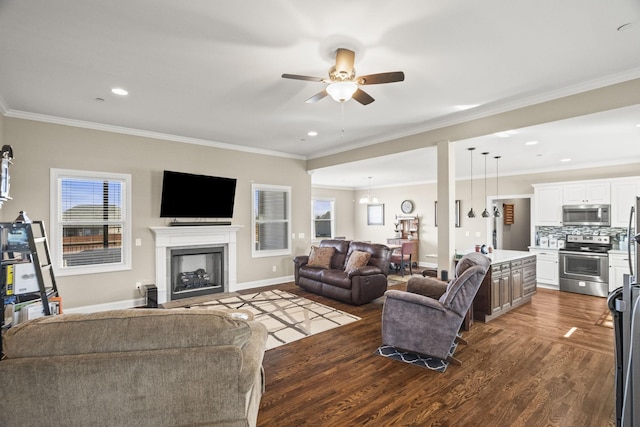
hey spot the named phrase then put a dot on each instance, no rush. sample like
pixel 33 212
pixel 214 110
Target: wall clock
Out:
pixel 407 206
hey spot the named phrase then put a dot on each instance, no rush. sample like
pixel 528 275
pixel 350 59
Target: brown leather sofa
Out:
pixel 340 280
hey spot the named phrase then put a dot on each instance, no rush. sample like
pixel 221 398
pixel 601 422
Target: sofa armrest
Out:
pixel 252 354
pixel 427 286
pixel 415 299
pixel 301 260
pixel 367 270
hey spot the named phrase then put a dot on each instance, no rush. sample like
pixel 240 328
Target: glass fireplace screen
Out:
pixel 196 271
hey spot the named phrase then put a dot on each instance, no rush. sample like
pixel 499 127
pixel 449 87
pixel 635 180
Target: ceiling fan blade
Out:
pixel 298 77
pixel 362 97
pixel 344 61
pixel 317 97
pixel 374 79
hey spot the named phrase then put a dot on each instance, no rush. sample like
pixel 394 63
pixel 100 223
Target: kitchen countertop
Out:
pixel 546 248
pixel 503 255
pixel 619 252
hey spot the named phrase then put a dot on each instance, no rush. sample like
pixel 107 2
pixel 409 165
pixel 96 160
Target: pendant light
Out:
pixel 367 199
pixel 471 213
pixel 496 211
pixel 485 212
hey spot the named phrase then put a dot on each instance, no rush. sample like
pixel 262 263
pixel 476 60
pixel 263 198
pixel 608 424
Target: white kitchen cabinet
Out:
pixel 547 267
pixel 593 193
pixel 548 204
pixel 618 267
pixel 623 197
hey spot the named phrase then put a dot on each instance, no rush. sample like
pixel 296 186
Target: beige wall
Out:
pixel 38 147
pixel 516 236
pixel 343 206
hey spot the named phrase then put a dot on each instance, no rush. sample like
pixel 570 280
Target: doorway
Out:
pixel 514 234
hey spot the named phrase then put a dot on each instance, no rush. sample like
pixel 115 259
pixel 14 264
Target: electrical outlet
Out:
pixel 138 285
pixel 274 268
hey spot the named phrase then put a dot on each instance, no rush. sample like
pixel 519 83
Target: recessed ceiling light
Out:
pixel 565 160
pixel 312 133
pixel 531 143
pixel 505 134
pixel 119 91
pixel 638 125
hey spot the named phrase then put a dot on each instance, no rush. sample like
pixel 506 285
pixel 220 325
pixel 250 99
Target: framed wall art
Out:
pixel 375 214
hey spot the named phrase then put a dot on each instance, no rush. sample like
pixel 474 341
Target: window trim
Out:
pixel 255 253
pixel 55 232
pixel 313 217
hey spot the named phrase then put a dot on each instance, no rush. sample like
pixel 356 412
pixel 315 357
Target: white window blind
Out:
pixel 271 220
pixel 322 221
pixel 92 221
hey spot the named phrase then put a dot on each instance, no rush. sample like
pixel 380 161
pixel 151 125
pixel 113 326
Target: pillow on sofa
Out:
pixel 357 259
pixel 320 257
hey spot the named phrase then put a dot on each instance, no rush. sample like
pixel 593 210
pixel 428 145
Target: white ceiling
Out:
pixel 210 71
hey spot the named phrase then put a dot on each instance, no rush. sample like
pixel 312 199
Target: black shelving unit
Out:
pixel 24 243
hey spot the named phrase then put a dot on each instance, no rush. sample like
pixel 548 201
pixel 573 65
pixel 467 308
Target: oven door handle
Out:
pixel 586 254
pixel 629 240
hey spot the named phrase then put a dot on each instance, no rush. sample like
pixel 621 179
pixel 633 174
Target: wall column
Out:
pixel 446 205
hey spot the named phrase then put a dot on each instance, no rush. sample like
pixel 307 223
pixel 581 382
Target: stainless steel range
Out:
pixel 584 265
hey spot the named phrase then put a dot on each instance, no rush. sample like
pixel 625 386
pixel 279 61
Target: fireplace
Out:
pixel 194 260
pixel 197 271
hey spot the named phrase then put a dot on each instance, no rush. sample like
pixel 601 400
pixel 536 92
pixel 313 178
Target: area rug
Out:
pixel 605 320
pixel 287 317
pixel 432 363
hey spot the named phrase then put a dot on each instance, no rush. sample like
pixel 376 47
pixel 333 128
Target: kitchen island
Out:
pixel 509 283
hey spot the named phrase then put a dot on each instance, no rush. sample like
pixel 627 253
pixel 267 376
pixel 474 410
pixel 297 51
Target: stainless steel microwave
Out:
pixel 598 215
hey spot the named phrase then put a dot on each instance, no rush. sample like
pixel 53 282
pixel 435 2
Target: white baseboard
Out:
pixel 260 283
pixel 140 302
pixel 116 305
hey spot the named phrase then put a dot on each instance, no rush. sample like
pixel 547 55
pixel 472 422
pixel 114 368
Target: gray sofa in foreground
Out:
pixel 138 367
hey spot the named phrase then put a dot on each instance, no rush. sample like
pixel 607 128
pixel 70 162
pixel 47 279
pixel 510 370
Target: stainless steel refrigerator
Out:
pixel 624 304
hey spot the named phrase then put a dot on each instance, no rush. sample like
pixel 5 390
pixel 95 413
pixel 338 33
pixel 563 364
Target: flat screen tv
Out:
pixel 186 195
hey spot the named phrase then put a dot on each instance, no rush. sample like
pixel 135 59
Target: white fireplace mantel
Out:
pixel 188 237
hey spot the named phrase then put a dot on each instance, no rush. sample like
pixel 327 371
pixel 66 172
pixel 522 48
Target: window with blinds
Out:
pixel 91 221
pixel 322 221
pixel 271 220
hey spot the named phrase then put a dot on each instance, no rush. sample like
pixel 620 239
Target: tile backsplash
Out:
pixel 561 232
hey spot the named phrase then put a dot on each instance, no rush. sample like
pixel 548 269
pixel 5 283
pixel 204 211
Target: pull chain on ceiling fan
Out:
pixel 343 84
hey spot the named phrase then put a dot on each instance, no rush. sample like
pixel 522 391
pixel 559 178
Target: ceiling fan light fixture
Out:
pixel 342 91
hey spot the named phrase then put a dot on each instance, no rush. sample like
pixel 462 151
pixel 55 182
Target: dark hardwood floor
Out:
pixel 518 370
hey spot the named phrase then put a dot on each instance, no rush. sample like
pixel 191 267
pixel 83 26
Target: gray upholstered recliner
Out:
pixel 416 322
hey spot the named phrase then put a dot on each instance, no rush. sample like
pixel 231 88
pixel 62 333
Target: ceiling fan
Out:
pixel 343 82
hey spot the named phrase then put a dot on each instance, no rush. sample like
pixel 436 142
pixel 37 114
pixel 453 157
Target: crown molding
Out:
pixel 143 133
